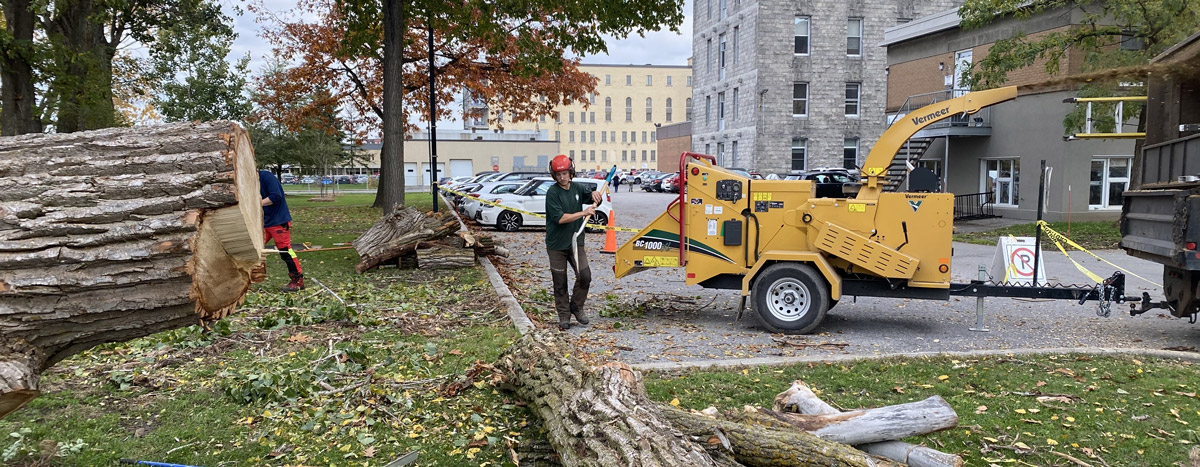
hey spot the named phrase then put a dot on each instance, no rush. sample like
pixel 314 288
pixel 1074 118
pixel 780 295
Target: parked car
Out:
pixel 344 180
pixel 470 205
pixel 824 176
pixel 308 179
pixel 289 179
pixel 531 197
pixel 670 184
pixel 640 177
pixel 654 182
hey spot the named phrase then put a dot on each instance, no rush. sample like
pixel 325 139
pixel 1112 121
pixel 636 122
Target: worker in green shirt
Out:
pixel 565 214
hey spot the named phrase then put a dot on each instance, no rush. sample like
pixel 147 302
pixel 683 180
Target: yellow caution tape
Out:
pixel 1057 237
pixel 534 214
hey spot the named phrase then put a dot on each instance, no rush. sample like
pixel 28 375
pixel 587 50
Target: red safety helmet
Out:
pixel 560 163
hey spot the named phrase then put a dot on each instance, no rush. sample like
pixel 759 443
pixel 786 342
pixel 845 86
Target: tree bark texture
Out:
pixel 800 399
pixel 116 234
pixel 594 418
pixel 391 156
pixel 398 233
pixel 445 254
pixel 17 96
pixel 765 445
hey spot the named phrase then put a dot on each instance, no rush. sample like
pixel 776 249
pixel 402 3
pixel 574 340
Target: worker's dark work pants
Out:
pixel 559 259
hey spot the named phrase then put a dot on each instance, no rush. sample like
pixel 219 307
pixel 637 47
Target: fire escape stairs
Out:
pixel 911 151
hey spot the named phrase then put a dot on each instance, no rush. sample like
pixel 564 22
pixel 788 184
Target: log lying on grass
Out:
pixel 603 417
pixel 447 253
pixel 116 234
pixel 398 234
pixel 800 399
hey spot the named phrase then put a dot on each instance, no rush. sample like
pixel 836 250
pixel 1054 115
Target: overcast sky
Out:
pixel 657 48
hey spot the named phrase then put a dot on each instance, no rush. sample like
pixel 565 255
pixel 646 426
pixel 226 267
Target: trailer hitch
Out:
pixel 1146 304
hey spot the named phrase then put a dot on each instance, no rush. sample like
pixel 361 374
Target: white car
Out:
pixel 470 205
pixel 531 197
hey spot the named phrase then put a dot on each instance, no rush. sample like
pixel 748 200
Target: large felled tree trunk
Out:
pixel 398 233
pixel 115 234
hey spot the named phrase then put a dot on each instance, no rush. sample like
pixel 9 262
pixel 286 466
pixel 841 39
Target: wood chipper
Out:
pixel 796 247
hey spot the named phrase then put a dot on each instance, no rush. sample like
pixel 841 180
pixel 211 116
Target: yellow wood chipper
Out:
pixel 796 247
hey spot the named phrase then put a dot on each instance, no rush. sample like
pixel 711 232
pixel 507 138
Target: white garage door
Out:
pixel 441 168
pixel 461 168
pixel 410 173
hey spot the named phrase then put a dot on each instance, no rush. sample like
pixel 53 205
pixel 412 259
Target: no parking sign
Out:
pixel 1013 262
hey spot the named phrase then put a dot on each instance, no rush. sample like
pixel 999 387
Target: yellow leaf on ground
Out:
pixel 1051 441
pixel 675 402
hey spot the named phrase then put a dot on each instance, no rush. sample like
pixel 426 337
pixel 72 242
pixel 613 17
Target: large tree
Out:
pixel 58 56
pixel 198 83
pixel 506 51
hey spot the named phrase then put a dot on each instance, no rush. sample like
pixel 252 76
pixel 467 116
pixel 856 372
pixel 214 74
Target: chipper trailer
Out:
pixel 795 247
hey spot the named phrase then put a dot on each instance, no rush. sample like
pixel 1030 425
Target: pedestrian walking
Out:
pixel 277 226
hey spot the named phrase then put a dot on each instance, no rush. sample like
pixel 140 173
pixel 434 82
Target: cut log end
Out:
pixel 18 385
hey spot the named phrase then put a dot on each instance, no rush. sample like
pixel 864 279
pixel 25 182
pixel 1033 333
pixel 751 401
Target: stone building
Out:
pixel 796 84
pixel 618 127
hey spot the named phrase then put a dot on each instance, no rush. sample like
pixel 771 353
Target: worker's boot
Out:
pixel 564 321
pixel 580 315
pixel 296 285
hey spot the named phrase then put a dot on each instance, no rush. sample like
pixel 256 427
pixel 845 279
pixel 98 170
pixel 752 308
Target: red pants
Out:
pixel 282 235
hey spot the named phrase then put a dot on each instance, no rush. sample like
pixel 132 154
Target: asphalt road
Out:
pixel 689 323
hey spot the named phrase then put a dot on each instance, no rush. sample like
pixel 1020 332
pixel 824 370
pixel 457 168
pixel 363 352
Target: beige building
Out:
pixel 463 153
pixel 630 103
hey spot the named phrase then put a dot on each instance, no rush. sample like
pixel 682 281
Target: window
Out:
pixel 542 119
pixel 612 136
pixel 653 136
pixel 1000 179
pixel 668 109
pixel 592 116
pixel 721 155
pixel 708 3
pixel 723 5
pixel 582 117
pixel 721 57
pixel 558 136
pixel 649 110
pixel 687 110
pixel 801 35
pixel 593 135
pixel 707 109
pixel 653 156
pixel 625 155
pixel 571 154
pixel 643 155
pixel 707 148
pixel 629 109
pixel 735 45
pixel 629 80
pixel 799 153
pixel 850 153
pixel 571 135
pixel 852 91
pixel 608 109
pixel 624 137
pixel 571 117
pixel 644 137
pixel 734 115
pixel 799 99
pixel 854 33
pixel 733 152
pixel 720 114
pixel 708 58
pixel 1130 41
pixel 593 155
pixel 603 136
pixel 668 80
pixel 1109 178
pixel 689 81
pixel 608 80
pixel 649 80
pixel 603 155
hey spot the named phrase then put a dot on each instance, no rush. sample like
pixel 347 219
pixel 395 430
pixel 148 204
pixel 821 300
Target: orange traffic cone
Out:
pixel 610 235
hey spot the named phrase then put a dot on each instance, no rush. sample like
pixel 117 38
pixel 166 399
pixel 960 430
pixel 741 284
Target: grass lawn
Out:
pixel 1105 235
pixel 294 379
pixel 1012 410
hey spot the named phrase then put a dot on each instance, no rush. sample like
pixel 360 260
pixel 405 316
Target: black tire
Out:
pixel 790 298
pixel 508 221
pixel 599 218
pixel 638 180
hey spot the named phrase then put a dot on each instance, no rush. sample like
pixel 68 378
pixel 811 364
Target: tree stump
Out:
pixel 116 234
pixel 398 234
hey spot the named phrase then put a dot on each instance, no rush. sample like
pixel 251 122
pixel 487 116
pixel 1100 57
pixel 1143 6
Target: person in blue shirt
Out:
pixel 277 226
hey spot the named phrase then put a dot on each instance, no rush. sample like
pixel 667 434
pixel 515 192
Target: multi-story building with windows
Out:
pixel 617 127
pixel 795 84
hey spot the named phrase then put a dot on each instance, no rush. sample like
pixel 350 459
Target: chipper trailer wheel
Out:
pixel 790 298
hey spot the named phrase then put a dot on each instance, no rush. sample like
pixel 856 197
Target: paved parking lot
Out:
pixel 688 323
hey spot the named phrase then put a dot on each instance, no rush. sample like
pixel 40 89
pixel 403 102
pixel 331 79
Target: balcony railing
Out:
pixel 973 206
pixel 981 119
